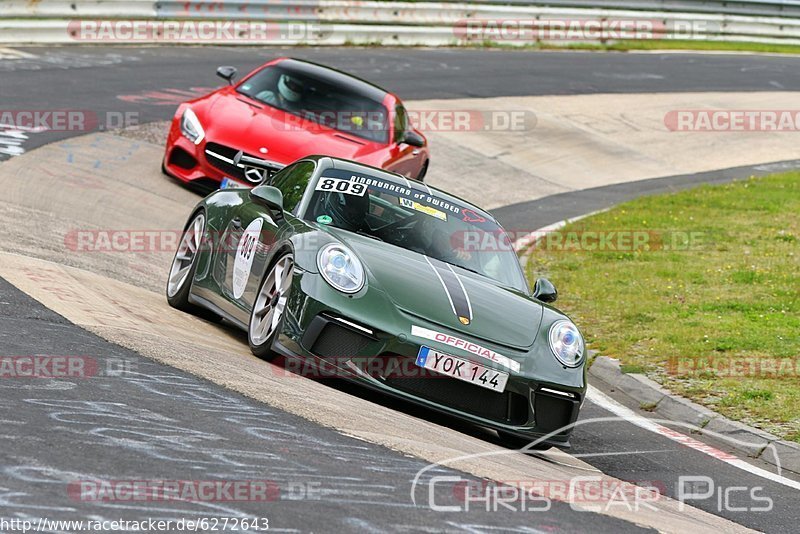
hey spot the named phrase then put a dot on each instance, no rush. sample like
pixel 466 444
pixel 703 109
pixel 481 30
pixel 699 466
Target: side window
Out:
pixel 400 123
pixel 292 182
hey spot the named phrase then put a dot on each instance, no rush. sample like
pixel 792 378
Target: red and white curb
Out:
pixel 604 401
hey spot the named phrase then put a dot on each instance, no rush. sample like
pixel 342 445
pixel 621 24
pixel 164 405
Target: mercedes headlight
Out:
pixel 191 127
pixel 566 343
pixel 341 268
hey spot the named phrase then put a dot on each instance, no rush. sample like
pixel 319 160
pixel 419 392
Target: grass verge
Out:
pixel 710 46
pixel 699 289
pixel 655 45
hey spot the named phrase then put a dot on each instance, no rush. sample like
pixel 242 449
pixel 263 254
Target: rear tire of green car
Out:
pixel 184 264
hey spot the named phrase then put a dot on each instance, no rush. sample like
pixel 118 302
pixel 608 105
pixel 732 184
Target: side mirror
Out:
pixel 544 290
pixel 413 138
pixel 227 73
pixel 268 196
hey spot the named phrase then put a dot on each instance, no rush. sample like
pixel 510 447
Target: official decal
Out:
pixel 468 346
pixel 324 219
pixel 245 252
pixel 422 208
pixel 337 185
pixel 454 288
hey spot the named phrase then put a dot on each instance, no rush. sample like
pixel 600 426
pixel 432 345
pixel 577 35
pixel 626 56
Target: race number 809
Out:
pixel 337 185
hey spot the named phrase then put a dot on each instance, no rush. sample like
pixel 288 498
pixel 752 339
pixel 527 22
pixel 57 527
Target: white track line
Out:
pixel 10 53
pixel 607 403
pixel 531 238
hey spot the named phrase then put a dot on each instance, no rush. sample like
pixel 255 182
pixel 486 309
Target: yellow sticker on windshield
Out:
pixel 422 208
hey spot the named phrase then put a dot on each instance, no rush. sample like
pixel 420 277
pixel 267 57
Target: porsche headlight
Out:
pixel 191 127
pixel 566 343
pixel 340 268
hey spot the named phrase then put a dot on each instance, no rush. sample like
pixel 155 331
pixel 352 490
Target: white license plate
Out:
pixel 462 369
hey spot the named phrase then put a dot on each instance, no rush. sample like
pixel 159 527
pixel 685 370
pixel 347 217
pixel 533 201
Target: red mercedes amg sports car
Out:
pixel 281 112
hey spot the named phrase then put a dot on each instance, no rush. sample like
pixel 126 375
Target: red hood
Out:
pixel 230 120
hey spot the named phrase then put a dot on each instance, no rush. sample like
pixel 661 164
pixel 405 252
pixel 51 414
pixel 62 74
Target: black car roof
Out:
pixel 335 77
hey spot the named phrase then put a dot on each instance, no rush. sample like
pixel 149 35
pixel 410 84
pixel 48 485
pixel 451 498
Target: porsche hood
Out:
pixel 456 299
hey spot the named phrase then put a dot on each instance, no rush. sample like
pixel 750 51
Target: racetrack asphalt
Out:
pixel 94 77
pixel 413 74
pixel 141 420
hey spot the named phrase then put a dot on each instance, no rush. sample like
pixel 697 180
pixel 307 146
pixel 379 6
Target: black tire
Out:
pixel 423 171
pixel 178 297
pixel 263 347
pixel 512 441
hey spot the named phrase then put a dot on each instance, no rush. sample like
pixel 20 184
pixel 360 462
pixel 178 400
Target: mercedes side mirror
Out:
pixel 227 73
pixel 413 138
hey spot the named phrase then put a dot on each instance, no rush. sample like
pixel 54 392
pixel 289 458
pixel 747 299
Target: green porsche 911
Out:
pixel 401 287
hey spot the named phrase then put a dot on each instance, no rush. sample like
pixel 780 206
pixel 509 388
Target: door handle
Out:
pixel 236 222
pixel 415 152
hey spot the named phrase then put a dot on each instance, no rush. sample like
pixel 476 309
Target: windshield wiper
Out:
pixel 362 232
pixel 466 268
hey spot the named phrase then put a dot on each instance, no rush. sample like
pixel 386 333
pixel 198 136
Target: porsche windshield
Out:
pixel 453 232
pixel 319 102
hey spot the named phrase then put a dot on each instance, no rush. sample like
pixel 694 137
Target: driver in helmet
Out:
pixel 349 212
pixel 288 95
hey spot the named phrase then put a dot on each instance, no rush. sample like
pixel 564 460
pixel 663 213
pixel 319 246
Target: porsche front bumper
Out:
pixel 326 335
